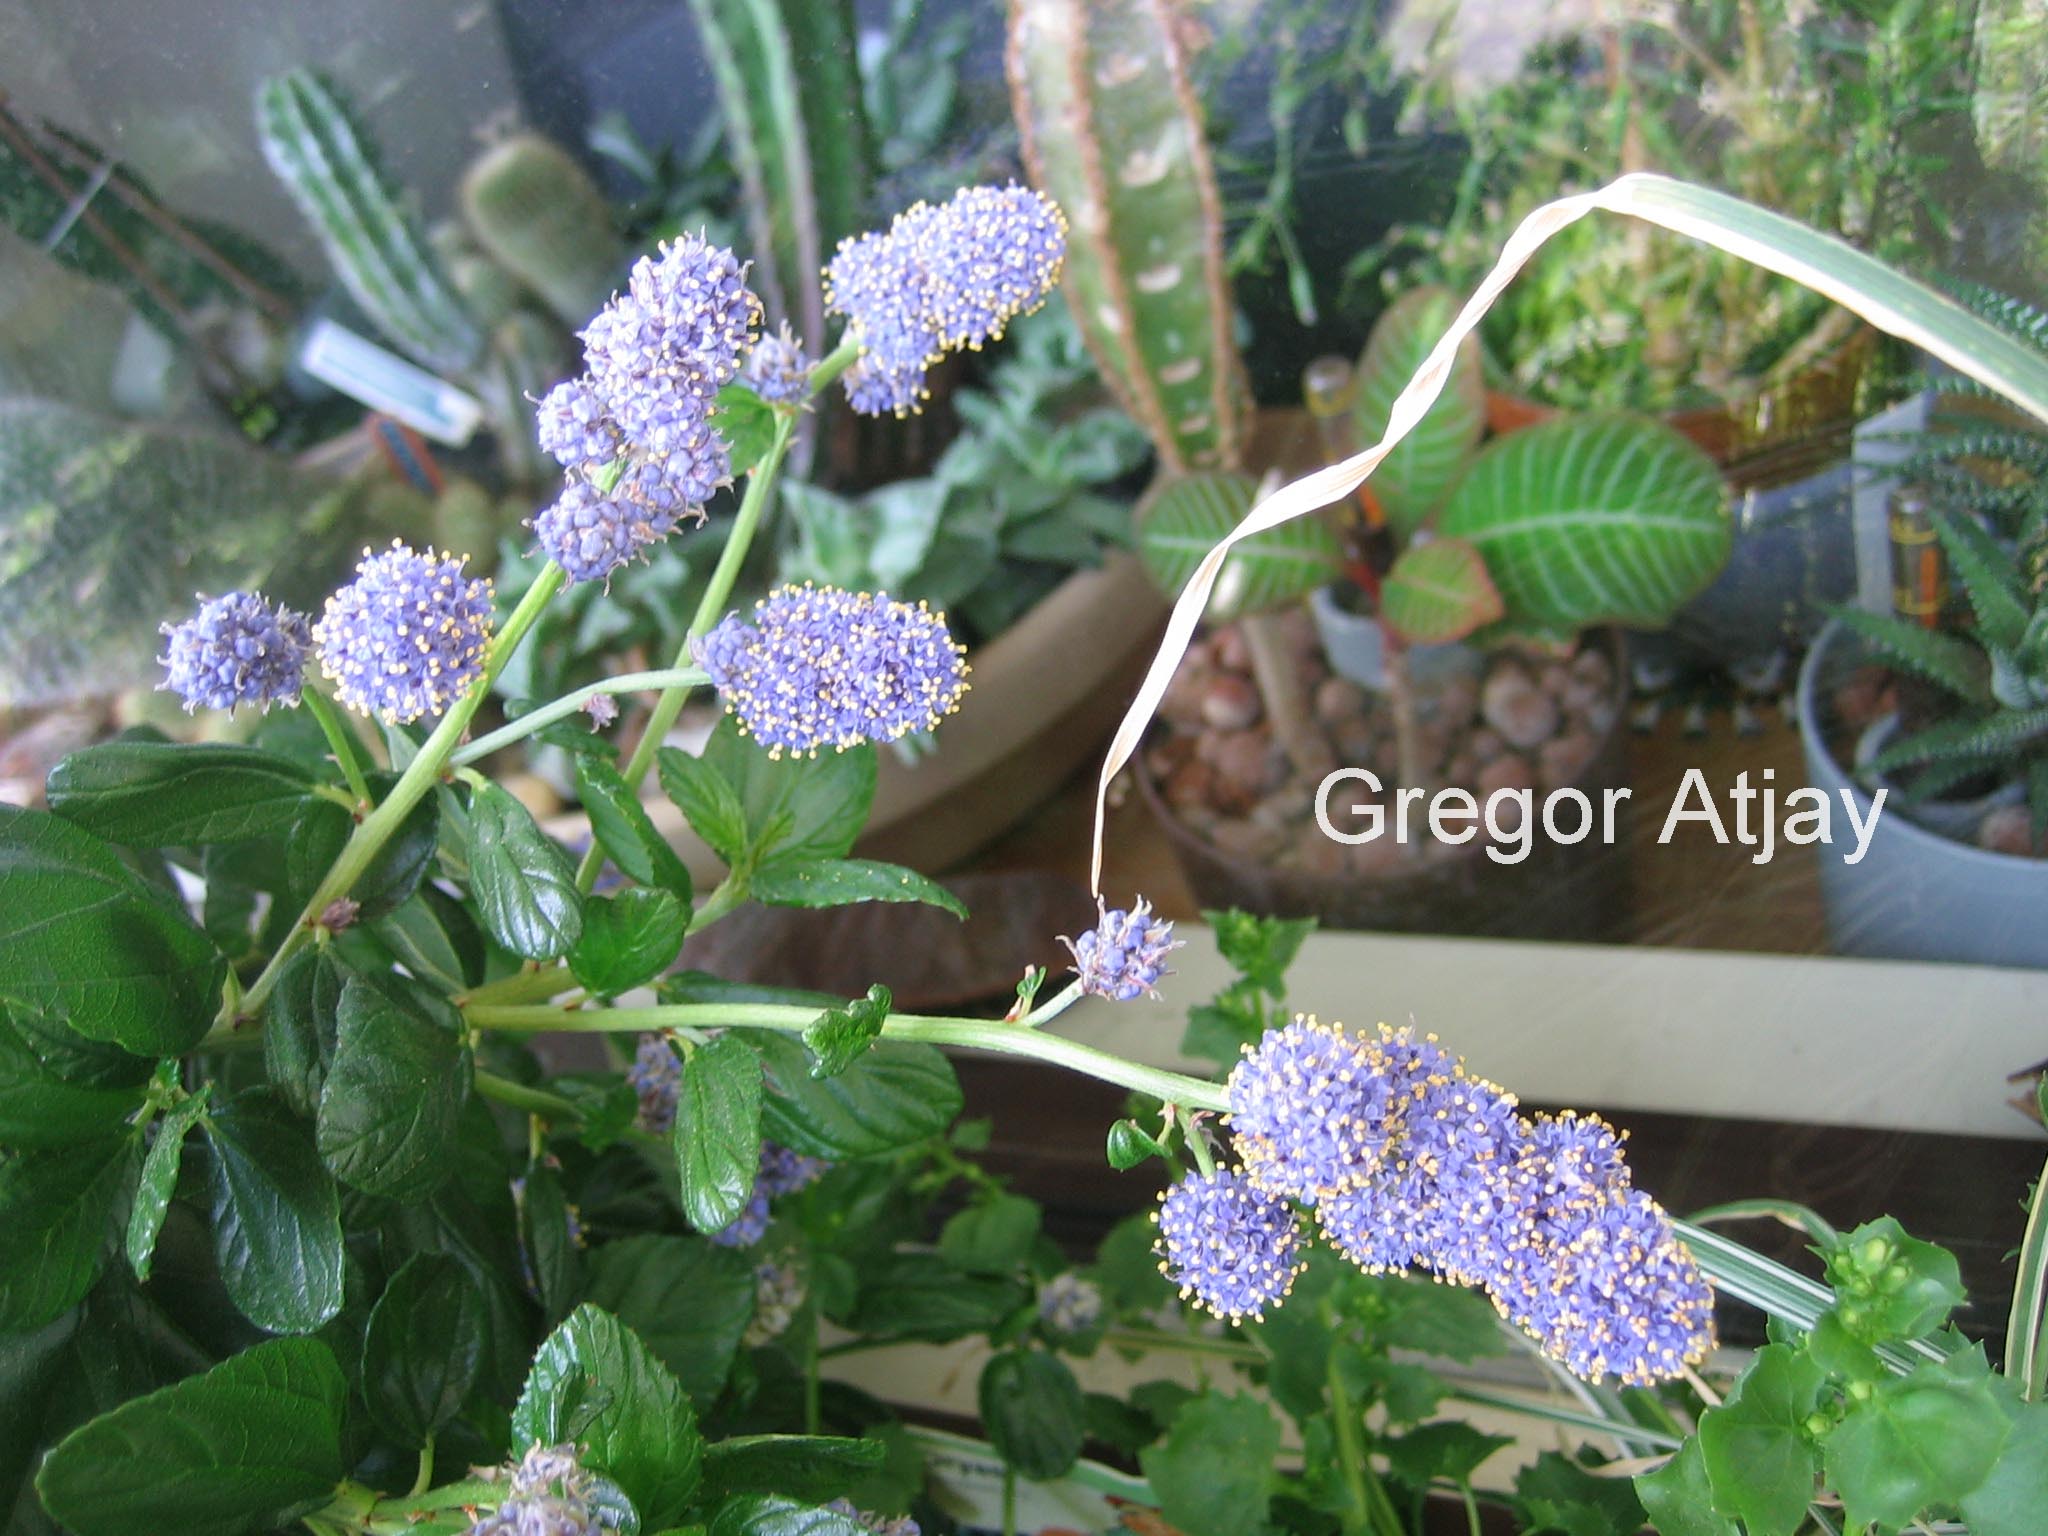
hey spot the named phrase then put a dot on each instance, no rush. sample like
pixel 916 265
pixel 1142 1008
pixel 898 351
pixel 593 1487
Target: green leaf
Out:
pixel 1916 1441
pixel 85 940
pixel 1934 654
pixel 1679 1499
pixel 1213 1474
pixel 708 801
pixel 628 939
pixel 1755 1445
pixel 595 1383
pixel 247 1446
pixel 2009 1501
pixel 159 1181
pixel 1889 1285
pixel 841 882
pixel 797 808
pixel 1451 1451
pixel 1031 1407
pixel 276 1217
pixel 1130 1144
pixel 420 942
pixel 1439 592
pixel 392 1099
pixel 1259 948
pixel 718 1131
pixel 747 423
pixel 1182 518
pixel 1557 1494
pixel 689 1301
pixel 299 1026
pixel 1411 481
pixel 423 1346
pixel 799 1466
pixel 895 1095
pixel 839 1037
pixel 1594 518
pixel 61 1210
pixel 524 884
pixel 553 1257
pixel 40 1103
pixel 625 831
pixel 1987 736
pixel 992 1236
pixel 1990 579
pixel 920 1296
pixel 770 1514
pixel 397 869
pixel 160 794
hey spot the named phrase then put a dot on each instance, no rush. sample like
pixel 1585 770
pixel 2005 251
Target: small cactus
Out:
pixel 535 213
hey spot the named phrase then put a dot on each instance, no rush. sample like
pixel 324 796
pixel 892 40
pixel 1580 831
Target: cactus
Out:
pixel 800 142
pixel 374 244
pixel 1112 132
pixel 532 209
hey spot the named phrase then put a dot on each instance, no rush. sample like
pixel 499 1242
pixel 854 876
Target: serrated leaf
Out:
pixel 418 940
pixel 1450 1450
pixel 796 808
pixel 158 794
pixel 689 1301
pixel 709 803
pixel 838 1037
pixel 246 1446
pixel 158 1182
pixel 1412 480
pixel 773 1514
pixel 1890 1284
pixel 1989 576
pixel 276 1217
pixel 718 1131
pixel 992 1236
pixel 85 940
pixel 397 869
pixel 1439 592
pixel 1939 657
pixel 523 883
pixel 629 938
pixel 796 1466
pixel 625 831
pixel 423 1346
pixel 1031 1407
pixel 392 1098
pixel 299 1026
pixel 61 1211
pixel 1593 518
pixel 841 882
pixel 1214 1472
pixel 594 1382
pixel 893 1096
pixel 40 1105
pixel 553 1261
pixel 1183 518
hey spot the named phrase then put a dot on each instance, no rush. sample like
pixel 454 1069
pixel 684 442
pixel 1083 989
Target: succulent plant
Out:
pixel 538 216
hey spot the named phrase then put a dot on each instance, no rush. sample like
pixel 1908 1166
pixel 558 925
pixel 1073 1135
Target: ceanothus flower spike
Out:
pixel 1124 955
pixel 1311 1107
pixel 407 638
pixel 1230 1247
pixel 237 649
pixel 548 1494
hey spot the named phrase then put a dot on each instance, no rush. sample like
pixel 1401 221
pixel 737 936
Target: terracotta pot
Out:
pixel 1561 891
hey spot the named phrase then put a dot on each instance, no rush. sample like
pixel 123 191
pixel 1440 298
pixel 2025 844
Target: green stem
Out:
pixel 533 1101
pixel 420 776
pixel 340 742
pixel 1571 1418
pixel 568 704
pixel 1009 1500
pixel 730 893
pixel 522 986
pixel 425 1479
pixel 1018 1039
pixel 812 1414
pixel 1371 1512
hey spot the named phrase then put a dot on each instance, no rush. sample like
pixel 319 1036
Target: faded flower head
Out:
pixel 603 710
pixel 237 649
pixel 779 1290
pixel 1230 1247
pixel 407 637
pixel 820 667
pixel 1069 1304
pixel 1123 956
pixel 780 1172
pixel 778 369
pixel 548 1494
pixel 656 1074
pixel 881 1525
pixel 1310 1107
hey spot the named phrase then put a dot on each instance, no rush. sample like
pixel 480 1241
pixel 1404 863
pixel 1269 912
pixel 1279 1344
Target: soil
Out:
pixel 1515 722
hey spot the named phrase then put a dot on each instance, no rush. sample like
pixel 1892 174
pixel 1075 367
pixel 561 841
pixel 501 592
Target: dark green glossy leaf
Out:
pixel 689 1301
pixel 392 1098
pixel 797 1466
pixel 299 1023
pixel 1755 1445
pixel 624 830
pixel 797 808
pixel 842 882
pixel 60 1210
pixel 1213 1474
pixel 41 1105
pixel 1916 1442
pixel 523 883
pixel 276 1217
pixel 771 1514
pixel 893 1096
pixel 839 1037
pixel 311 847
pixel 718 1131
pixel 150 794
pixel 628 939
pixel 1130 1144
pixel 920 1296
pixel 1679 1499
pixel 247 1446
pixel 397 869
pixel 159 1181
pixel 548 1240
pixel 1031 1407
pixel 424 1346
pixel 595 1383
pixel 1451 1451
pixel 708 801
pixel 1556 1494
pixel 85 940
pixel 991 1237
pixel 417 940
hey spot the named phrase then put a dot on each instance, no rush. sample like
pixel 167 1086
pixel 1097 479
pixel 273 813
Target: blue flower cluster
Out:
pixel 778 369
pixel 548 1493
pixel 1232 1247
pixel 881 1525
pixel 821 667
pixel 781 1172
pixel 656 357
pixel 408 636
pixel 656 1075
pixel 1069 1304
pixel 1412 1163
pixel 237 649
pixel 940 279
pixel 1123 956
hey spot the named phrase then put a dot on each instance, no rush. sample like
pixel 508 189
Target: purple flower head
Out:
pixel 820 667
pixel 1309 1109
pixel 1232 1248
pixel 779 1289
pixel 1069 1304
pixel 591 533
pixel 778 369
pixel 603 710
pixel 574 427
pixel 1572 1163
pixel 878 282
pixel 991 254
pixel 548 1494
pixel 407 637
pixel 784 1172
pixel 747 1228
pixel 1123 956
pixel 656 1074
pixel 881 1525
pixel 237 649
pixel 873 388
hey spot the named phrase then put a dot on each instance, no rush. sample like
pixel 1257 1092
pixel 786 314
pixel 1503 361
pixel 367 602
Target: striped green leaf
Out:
pixel 1439 592
pixel 1413 479
pixel 1941 658
pixel 1182 519
pixel 1600 518
pixel 1990 579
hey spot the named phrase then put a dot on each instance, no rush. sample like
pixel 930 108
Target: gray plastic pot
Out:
pixel 1915 895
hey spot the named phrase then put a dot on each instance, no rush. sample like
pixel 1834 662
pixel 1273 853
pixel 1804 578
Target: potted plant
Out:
pixel 1946 723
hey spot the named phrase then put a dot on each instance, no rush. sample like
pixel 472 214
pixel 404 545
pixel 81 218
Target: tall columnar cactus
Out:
pixel 1111 131
pixel 373 242
pixel 790 92
pixel 532 208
